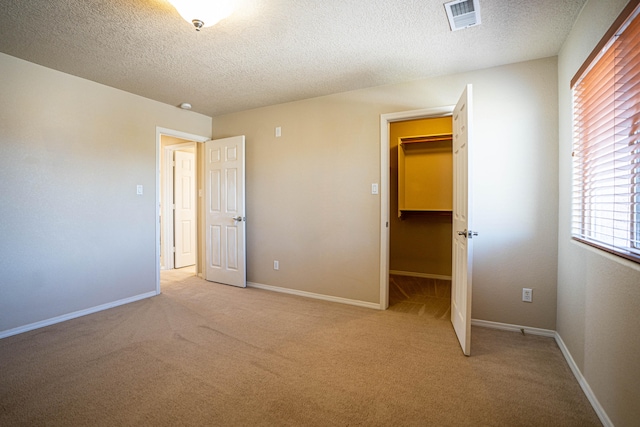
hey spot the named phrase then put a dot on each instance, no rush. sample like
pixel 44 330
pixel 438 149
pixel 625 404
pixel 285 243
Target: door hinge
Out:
pixel 173 207
pixel 173 250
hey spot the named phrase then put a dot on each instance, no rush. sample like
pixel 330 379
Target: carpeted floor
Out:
pixel 209 354
pixel 420 296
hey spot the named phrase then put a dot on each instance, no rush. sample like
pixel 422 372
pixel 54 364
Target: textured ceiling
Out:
pixel 274 51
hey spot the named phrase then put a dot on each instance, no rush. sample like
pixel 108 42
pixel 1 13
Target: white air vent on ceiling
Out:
pixel 463 13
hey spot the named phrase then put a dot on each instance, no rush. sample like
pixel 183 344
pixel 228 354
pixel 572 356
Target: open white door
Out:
pixel 462 225
pixel 185 209
pixel 225 212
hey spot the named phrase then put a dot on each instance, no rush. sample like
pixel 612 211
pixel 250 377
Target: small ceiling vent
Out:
pixel 463 13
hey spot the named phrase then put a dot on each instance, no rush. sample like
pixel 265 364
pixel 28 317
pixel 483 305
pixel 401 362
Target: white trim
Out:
pixel 314 295
pixel 597 407
pixel 514 328
pixel 604 418
pixel 177 134
pixel 384 211
pixel 385 121
pixel 75 314
pixel 424 275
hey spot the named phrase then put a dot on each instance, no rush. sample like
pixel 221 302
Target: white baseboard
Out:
pixel 514 328
pixel 314 295
pixel 75 314
pixel 604 418
pixel 425 275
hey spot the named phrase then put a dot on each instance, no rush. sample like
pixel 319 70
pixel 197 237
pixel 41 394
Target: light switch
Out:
pixel 139 190
pixel 278 132
pixel 374 188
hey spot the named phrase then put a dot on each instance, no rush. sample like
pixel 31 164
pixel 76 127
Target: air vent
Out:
pixel 463 13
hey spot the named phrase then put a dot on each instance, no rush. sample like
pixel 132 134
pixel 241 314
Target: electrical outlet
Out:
pixel 276 265
pixel 527 294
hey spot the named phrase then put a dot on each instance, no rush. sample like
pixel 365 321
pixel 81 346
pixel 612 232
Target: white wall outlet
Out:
pixel 276 265
pixel 527 294
pixel 278 132
pixel 374 188
pixel 139 189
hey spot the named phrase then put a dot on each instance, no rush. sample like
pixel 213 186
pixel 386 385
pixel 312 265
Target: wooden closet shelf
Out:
pixel 446 212
pixel 427 138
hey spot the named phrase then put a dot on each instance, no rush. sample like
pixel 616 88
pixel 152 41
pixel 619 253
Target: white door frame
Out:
pixel 176 134
pixel 167 211
pixel 385 121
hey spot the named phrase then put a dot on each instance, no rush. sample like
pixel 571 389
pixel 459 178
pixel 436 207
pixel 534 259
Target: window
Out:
pixel 606 153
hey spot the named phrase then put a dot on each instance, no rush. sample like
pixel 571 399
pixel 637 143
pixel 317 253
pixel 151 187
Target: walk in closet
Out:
pixel 421 193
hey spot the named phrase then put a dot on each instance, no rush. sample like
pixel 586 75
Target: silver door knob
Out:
pixel 468 234
pixel 238 218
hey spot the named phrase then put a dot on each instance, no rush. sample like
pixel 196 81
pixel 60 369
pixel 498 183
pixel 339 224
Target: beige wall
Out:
pixel 418 243
pixel 309 201
pixel 74 234
pixel 598 294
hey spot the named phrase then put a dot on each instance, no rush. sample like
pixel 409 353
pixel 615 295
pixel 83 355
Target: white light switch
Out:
pixel 374 188
pixel 278 132
pixel 139 190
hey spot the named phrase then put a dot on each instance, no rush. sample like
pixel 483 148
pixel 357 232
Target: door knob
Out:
pixel 468 234
pixel 238 218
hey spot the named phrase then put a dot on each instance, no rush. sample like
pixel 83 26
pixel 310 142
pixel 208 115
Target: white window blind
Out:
pixel 606 156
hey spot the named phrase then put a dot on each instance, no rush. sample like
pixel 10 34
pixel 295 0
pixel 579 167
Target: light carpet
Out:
pixel 208 354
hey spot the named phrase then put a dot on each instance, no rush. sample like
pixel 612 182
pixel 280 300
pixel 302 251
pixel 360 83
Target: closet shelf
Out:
pixel 424 212
pixel 427 210
pixel 406 142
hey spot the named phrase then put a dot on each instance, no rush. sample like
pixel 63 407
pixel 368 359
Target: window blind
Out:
pixel 606 151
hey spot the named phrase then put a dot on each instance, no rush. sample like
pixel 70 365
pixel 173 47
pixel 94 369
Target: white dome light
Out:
pixel 203 13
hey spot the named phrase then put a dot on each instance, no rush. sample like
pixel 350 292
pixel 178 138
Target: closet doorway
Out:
pixel 420 222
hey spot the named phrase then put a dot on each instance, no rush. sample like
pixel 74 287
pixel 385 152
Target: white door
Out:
pixel 184 198
pixel 462 225
pixel 225 211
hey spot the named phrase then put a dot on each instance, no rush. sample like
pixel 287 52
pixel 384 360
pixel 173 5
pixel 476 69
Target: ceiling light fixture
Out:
pixel 203 13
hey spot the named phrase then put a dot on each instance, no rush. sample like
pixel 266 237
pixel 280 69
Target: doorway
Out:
pixel 385 186
pixel 178 203
pixel 420 224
